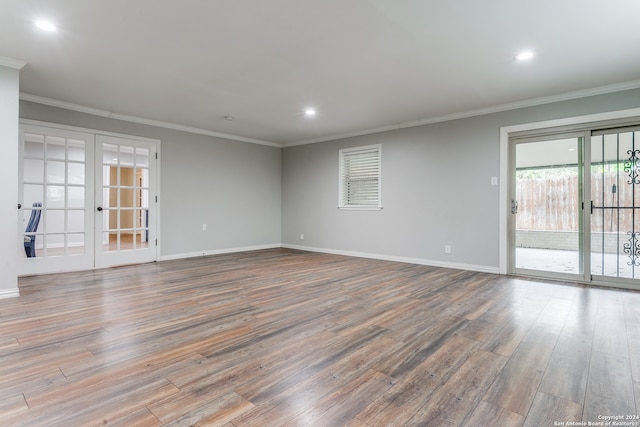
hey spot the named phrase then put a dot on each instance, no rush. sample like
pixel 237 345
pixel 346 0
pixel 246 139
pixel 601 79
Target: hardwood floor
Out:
pixel 282 337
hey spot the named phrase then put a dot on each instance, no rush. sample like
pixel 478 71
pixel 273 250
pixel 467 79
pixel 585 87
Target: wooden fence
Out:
pixel 553 204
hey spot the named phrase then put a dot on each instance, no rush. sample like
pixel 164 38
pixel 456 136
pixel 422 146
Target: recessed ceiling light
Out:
pixel 310 112
pixel 46 25
pixel 523 56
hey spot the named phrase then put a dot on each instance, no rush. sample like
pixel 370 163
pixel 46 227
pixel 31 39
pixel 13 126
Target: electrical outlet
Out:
pixel 447 249
pixel 204 227
pixel 301 236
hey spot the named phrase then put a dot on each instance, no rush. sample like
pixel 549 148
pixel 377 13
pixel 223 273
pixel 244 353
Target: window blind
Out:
pixel 360 177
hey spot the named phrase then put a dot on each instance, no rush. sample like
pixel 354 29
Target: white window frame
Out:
pixel 343 203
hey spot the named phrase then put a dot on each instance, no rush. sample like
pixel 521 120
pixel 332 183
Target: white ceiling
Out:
pixel 364 64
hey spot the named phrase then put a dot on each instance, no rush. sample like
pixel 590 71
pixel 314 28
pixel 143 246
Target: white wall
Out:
pixel 233 187
pixel 436 189
pixel 9 92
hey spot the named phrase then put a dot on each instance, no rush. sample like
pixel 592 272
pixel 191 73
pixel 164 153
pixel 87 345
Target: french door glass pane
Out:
pixel 53 195
pixel 125 197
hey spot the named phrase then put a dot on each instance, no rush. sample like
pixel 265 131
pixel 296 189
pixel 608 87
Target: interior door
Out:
pixel 547 221
pixel 55 200
pixel 125 206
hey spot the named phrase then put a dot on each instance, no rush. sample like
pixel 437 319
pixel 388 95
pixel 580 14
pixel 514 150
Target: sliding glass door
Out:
pixel 575 206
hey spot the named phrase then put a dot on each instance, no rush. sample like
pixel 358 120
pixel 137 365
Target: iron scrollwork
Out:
pixel 633 248
pixel 632 166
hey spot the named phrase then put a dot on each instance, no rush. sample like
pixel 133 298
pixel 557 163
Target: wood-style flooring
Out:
pixel 288 338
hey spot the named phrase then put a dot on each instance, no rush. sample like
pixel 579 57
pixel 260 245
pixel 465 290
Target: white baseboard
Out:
pixel 219 252
pixel 419 261
pixel 9 293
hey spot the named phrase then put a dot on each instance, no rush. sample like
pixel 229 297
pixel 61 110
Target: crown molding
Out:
pixel 140 120
pixel 480 112
pixel 455 116
pixel 12 63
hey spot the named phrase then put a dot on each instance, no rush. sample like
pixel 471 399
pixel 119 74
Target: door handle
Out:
pixel 514 207
pixel 19 205
pixel 99 208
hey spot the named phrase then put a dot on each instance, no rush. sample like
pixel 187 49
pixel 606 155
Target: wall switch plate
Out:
pixel 447 249
pixel 494 180
pixel 301 236
pixel 204 227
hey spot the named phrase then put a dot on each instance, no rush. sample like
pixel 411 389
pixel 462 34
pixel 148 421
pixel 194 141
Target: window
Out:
pixel 360 178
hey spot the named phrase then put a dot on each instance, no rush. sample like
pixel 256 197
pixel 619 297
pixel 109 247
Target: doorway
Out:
pixel 86 200
pixel 575 205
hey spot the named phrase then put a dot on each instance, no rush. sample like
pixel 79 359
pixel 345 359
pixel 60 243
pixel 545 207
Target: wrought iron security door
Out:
pixel 615 203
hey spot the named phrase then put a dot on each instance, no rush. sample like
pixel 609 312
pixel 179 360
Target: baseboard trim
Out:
pixel 219 252
pixel 418 261
pixel 9 293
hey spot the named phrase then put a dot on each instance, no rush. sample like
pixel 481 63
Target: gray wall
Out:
pixel 436 188
pixel 234 187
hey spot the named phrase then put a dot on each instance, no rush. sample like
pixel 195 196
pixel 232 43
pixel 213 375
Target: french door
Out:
pixel 86 200
pixel 124 187
pixel 575 206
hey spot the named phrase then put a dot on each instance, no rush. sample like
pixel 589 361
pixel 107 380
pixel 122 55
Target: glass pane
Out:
pixel 127 218
pixel 54 221
pixel 75 197
pixel 139 220
pixel 106 198
pixel 110 241
pixel 142 178
pixel 615 188
pixel 75 221
pixel 33 194
pixel 112 219
pixel 75 150
pixel 34 145
pixel 75 173
pixel 33 170
pixel 143 198
pixel 55 147
pixel 548 197
pixel 75 245
pixel 55 172
pixel 126 156
pixel 143 238
pixel 126 198
pixel 32 241
pixel 55 196
pixel 34 227
pixel 109 154
pixel 54 245
pixel 142 157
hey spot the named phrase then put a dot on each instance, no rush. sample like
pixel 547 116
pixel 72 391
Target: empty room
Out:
pixel 319 213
